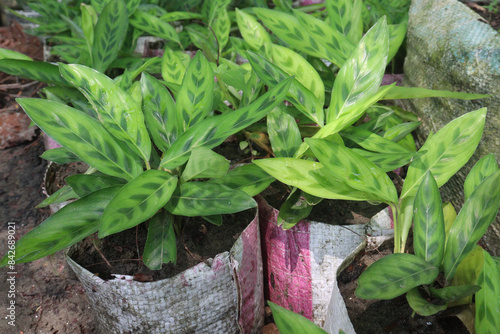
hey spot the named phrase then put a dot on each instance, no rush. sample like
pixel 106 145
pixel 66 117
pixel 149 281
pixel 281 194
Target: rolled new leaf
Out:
pixel 394 275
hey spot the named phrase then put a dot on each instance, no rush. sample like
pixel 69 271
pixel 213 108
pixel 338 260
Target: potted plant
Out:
pixel 146 154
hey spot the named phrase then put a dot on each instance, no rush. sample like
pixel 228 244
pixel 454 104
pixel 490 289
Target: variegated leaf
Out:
pixel 172 68
pixel 84 136
pixel 487 299
pixel 159 112
pixel 449 215
pixel 212 131
pixel 160 244
pixel 450 294
pixel 204 163
pixel 477 213
pixel 293 323
pixel 154 26
pixel 61 195
pixel 345 16
pixel 394 275
pixel 428 222
pixel 33 70
pixel 177 16
pixel 60 155
pixel 118 111
pixel 486 166
pixel 85 184
pixel 447 151
pixel 132 5
pixel 204 199
pixel 251 30
pixel 283 132
pixel 10 54
pixel 137 201
pixel 353 169
pixel 99 4
pixel 249 178
pixel 400 131
pixel 72 223
pixel 221 26
pixel 389 161
pixel 194 100
pixel 360 76
pixel 398 92
pixel 371 141
pixel 397 34
pixel 109 34
pixel 468 272
pixel 294 209
pixel 421 305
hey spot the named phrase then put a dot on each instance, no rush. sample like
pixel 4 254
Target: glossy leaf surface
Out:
pixel 204 163
pixel 283 133
pixel 345 16
pixel 249 178
pixel 481 170
pixel 251 30
pixel 34 70
pixel 60 155
pixel 487 301
pixel 160 244
pixel 293 323
pixel 85 184
pixel 421 305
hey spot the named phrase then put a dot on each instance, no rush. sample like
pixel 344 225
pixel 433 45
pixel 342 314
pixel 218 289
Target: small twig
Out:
pixel 18 85
pixel 102 255
pixel 121 260
pixel 362 236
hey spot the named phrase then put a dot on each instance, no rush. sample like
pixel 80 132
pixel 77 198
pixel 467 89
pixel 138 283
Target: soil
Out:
pixel 489 11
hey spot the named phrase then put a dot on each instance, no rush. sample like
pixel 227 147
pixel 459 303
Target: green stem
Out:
pixel 397 228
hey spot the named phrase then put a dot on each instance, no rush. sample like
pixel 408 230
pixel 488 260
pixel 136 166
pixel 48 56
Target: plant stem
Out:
pixel 397 229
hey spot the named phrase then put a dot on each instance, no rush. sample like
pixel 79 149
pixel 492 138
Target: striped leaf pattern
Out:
pixel 60 155
pixel 251 30
pixel 388 161
pixel 295 65
pixel 345 17
pixel 33 70
pixel 61 195
pixel 476 215
pixel 394 275
pixel 118 111
pixel 154 26
pixel 294 209
pixel 486 166
pixel 487 299
pixel 468 272
pixel 214 130
pixel 137 201
pixel 301 97
pixel 421 305
pixel 132 5
pixel 159 112
pixel 371 141
pixel 221 27
pixel 109 34
pixel 99 4
pixel 72 223
pixel 356 171
pixel 204 163
pixel 313 178
pixel 397 34
pixel 293 323
pixel 10 54
pixel 399 92
pixel 85 184
pixel 194 100
pixel 160 243
pixel 84 136
pixel 400 131
pixel 428 222
pixel 204 199
pixel 177 16
pixel 360 76
pixel 249 178
pixel 447 151
pixel 449 294
pixel 172 68
pixel 283 132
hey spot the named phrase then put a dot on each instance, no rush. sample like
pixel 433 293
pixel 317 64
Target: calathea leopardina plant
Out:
pixel 148 155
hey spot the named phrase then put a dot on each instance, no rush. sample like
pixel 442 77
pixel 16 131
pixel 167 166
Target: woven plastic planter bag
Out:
pixel 301 264
pixel 450 47
pixel 221 295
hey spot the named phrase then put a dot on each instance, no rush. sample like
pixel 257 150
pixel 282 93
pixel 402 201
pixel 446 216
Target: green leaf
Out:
pixel 205 199
pixel 301 97
pixel 99 4
pixel 212 131
pixel 345 16
pixel 10 54
pixel 72 223
pixel 428 223
pixel 61 195
pixel 283 132
pixel 194 100
pixel 313 178
pixel 371 141
pixel 249 178
pixel 394 275
pixel 109 34
pixel 85 184
pixel 137 201
pixel 294 209
pixel 293 323
pixel 60 155
pixel 159 112
pixel 468 272
pixel 447 151
pixel 295 65
pixel 204 163
pixel 450 294
pixel 398 92
pixel 251 30
pixel 84 136
pixel 118 111
pixel 399 132
pixel 177 16
pixel 172 68
pixel 160 244
pixel 397 34
pixel 477 213
pixel 154 26
pixel 421 305
pixel 353 169
pixel 486 166
pixel 214 219
pixel 33 70
pixel 89 20
pixel 360 76
pixel 389 161
pixel 449 215
pixel 221 26
pixel 487 299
